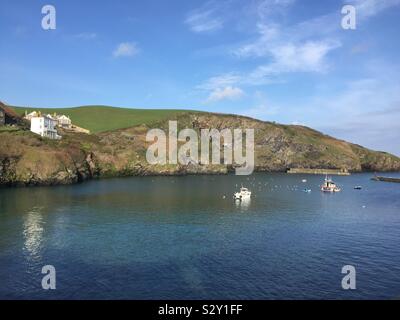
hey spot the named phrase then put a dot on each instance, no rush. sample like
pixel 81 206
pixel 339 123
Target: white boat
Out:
pixel 244 194
pixel 329 186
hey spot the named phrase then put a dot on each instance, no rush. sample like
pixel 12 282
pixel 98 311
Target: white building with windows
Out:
pixel 29 116
pixel 45 126
pixel 64 121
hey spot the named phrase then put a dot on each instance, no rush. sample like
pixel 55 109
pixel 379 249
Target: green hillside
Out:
pixel 27 159
pixel 104 118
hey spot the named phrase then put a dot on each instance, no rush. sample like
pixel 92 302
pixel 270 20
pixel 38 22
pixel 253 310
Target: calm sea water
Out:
pixel 185 238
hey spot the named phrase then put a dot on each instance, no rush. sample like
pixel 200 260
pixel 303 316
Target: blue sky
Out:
pixel 279 60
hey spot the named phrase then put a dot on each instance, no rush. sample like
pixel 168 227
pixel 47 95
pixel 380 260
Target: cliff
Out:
pixel 27 159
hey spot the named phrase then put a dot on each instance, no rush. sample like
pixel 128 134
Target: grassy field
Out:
pixel 104 118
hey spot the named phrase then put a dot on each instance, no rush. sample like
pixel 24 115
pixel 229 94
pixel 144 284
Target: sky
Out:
pixel 288 61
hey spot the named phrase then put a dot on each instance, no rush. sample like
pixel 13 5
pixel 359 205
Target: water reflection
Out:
pixel 33 232
pixel 244 204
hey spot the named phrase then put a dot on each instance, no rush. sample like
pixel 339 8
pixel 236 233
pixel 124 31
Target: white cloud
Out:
pixel 226 93
pixel 261 46
pixel 126 49
pixel 215 14
pixel 309 56
pixel 219 81
pixel 369 8
pixel 204 21
pixel 286 51
pixel 222 87
pixel 289 57
pixel 303 47
pixel 278 49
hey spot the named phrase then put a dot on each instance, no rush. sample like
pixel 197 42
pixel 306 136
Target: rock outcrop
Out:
pixel 27 159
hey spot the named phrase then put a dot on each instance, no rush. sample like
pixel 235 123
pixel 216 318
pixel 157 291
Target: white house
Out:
pixel 45 126
pixel 64 121
pixel 31 115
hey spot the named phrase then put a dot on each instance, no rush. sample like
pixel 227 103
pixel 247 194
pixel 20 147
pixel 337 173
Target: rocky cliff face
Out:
pixel 27 159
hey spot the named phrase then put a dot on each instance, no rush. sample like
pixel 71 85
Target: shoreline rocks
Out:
pixel 27 159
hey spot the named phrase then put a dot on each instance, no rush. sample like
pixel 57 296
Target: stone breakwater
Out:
pixel 338 172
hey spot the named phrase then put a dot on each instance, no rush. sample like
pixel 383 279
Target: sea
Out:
pixel 187 238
